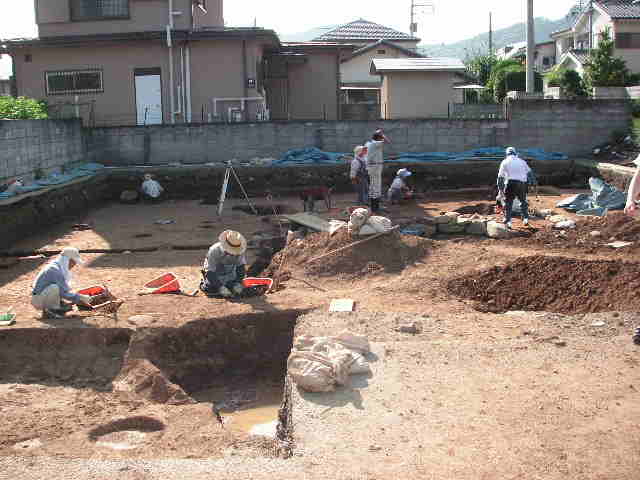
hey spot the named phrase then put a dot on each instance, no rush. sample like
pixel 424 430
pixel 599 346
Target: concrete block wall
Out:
pixel 30 145
pixel 572 127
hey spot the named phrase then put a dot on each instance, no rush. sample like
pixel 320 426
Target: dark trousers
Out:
pixel 362 187
pixel 516 189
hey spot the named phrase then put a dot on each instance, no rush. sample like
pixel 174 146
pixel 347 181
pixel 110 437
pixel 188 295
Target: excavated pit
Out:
pixel 553 284
pixel 95 375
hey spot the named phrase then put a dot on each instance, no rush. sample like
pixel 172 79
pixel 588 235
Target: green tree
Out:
pixel 480 67
pixel 603 69
pixel 22 108
pixel 572 84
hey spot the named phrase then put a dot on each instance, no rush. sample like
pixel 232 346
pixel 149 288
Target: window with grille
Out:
pixel 99 9
pixel 74 82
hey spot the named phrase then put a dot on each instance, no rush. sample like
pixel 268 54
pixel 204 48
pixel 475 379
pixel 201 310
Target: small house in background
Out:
pixel 5 87
pixel 544 55
pixel 360 88
pixel 417 87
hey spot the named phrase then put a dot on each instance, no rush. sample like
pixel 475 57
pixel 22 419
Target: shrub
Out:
pixel 572 84
pixel 22 108
pixel 603 68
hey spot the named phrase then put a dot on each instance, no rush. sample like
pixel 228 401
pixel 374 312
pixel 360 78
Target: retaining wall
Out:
pixel 572 127
pixel 28 146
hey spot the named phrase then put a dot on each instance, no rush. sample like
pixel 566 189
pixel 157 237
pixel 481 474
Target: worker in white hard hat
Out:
pixel 514 177
pixel 151 189
pixel 52 285
pixel 399 188
pixel 225 265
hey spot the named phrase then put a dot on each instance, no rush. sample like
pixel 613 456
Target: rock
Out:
pixel 477 227
pixel 452 214
pixel 557 218
pixel 442 219
pixel 141 319
pixel 564 225
pixel 451 228
pixel 546 212
pixel 595 233
pixel 412 328
pixel 129 196
pixel 497 230
pixel 560 343
pixel 617 245
pixel 598 324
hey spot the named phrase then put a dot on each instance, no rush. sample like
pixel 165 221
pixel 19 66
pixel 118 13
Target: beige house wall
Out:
pixel 357 69
pixel 216 71
pixel 116 105
pixel 546 50
pixel 54 18
pixel 418 94
pixel 313 87
pixel 630 55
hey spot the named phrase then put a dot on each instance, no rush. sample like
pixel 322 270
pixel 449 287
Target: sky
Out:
pixel 447 21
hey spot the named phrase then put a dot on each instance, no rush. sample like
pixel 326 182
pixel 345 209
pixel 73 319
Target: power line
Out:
pixel 413 25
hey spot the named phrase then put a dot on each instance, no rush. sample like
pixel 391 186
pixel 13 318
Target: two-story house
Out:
pixel 621 17
pixel 123 62
pixel 544 55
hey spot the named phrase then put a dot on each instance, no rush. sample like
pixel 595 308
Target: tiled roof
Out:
pixel 416 65
pixel 620 8
pixel 363 30
pixel 379 43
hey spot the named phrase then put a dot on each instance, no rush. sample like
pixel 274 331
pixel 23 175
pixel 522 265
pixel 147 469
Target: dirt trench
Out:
pixel 125 370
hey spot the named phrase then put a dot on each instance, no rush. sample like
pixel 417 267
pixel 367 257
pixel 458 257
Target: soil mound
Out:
pixel 554 284
pixel 146 380
pixel 390 253
pixel 480 209
pixel 614 227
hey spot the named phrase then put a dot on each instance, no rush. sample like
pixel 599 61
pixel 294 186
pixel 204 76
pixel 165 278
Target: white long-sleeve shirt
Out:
pixel 514 168
pixel 152 188
pixel 375 150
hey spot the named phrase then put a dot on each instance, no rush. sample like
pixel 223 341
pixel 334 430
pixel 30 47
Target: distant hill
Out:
pixel 305 36
pixel 501 38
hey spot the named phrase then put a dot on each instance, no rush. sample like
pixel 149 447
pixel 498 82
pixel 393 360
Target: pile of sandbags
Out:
pixel 319 364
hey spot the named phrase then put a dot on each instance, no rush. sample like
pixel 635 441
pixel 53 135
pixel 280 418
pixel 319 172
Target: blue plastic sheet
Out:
pixel 315 156
pixel 82 170
pixel 604 197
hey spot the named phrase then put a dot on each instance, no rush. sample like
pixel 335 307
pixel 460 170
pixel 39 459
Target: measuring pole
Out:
pixel 490 35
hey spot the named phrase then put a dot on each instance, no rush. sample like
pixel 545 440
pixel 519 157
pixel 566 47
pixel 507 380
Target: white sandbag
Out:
pixel 335 225
pixel 376 225
pixel 359 365
pixel 349 340
pixel 311 372
pixel 358 218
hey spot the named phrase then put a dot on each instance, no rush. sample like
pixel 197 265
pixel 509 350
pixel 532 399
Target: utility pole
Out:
pixel 531 47
pixel 591 25
pixel 413 25
pixel 490 35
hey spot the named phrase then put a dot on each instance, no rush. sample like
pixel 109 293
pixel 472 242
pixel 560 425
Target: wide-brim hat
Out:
pixel 72 254
pixel 233 242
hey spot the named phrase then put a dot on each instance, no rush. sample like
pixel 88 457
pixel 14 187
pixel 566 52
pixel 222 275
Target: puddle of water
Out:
pixel 257 417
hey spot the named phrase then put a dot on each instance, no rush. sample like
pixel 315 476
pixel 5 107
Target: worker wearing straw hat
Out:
pixel 53 284
pixel 225 265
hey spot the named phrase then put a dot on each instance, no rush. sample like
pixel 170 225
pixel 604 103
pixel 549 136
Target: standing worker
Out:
pixel 359 175
pixel 631 208
pixel 53 284
pixel 513 179
pixel 225 265
pixel 375 165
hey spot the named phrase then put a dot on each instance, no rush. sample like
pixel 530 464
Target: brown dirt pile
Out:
pixel 390 253
pixel 614 227
pixel 146 380
pixel 554 284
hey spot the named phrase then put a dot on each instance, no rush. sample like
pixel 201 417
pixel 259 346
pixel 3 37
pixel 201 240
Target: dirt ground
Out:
pixel 475 395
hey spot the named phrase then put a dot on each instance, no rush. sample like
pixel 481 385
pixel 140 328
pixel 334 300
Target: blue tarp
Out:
pixel 603 198
pixel 315 156
pixel 82 170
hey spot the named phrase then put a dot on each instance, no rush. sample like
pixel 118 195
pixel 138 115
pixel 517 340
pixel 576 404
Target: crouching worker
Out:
pixel 225 266
pixel 52 285
pixel 152 191
pixel 399 190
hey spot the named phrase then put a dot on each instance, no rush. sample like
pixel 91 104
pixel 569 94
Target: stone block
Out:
pixel 451 228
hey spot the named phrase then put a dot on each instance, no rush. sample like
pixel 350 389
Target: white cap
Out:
pixel 72 254
pixel 403 172
pixel 511 151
